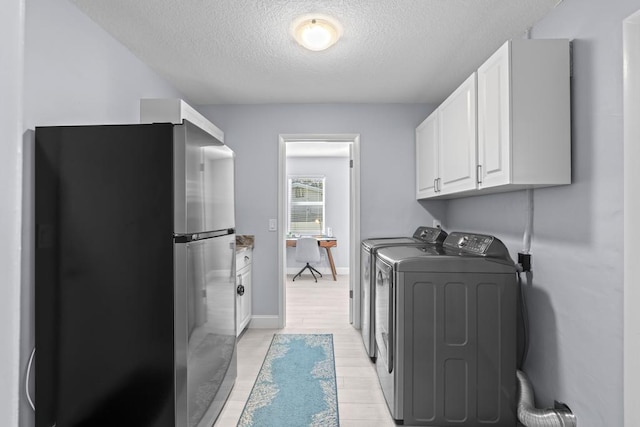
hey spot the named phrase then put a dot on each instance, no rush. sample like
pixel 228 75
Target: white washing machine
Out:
pixel 423 236
pixel 445 332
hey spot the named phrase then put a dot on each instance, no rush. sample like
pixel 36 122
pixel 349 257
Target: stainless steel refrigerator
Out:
pixel 135 276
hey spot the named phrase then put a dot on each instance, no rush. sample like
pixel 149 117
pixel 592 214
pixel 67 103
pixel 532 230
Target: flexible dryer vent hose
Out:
pixel 530 416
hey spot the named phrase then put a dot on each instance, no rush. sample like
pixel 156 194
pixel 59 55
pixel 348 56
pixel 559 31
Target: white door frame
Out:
pixel 631 112
pixel 354 219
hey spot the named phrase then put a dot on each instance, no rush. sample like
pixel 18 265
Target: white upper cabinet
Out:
pixel 494 112
pixel 523 124
pixel 427 157
pixel 446 145
pixel 457 148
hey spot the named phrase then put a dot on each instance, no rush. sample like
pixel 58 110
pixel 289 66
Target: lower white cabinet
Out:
pixel 243 288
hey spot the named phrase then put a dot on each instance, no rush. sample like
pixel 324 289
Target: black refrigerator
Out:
pixel 135 276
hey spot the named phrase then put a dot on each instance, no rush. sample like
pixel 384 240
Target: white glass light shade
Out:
pixel 316 33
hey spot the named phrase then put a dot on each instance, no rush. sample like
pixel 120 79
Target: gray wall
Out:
pixel 11 53
pixel 388 206
pixel 336 173
pixel 576 292
pixel 74 73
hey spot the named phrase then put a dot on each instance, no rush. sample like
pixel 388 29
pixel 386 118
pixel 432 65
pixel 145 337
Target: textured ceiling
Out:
pixel 241 51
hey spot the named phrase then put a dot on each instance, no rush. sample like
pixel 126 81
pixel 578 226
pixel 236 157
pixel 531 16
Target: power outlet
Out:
pixel 525 261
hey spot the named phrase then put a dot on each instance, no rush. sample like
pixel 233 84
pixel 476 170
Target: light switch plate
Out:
pixel 273 224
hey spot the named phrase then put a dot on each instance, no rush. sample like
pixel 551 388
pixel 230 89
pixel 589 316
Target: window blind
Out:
pixel 306 205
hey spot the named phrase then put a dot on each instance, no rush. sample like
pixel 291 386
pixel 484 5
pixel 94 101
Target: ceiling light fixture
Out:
pixel 316 32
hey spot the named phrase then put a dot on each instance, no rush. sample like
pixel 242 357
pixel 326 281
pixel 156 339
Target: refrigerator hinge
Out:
pixel 351 164
pixel 351 294
pixel 570 59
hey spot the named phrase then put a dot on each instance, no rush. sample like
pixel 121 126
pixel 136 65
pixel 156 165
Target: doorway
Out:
pixel 352 143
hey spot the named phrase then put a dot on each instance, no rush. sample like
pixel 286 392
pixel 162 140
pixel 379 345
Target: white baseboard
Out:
pixel 264 322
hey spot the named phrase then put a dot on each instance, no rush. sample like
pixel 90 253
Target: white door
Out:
pixel 494 130
pixel 354 233
pixel 457 149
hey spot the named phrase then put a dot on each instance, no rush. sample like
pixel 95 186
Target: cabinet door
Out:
pixel 243 298
pixel 427 157
pixel 246 305
pixel 243 289
pixel 494 119
pixel 240 302
pixel 457 149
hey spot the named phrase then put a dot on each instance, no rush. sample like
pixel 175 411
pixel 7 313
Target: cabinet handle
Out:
pixel 240 290
pixel 479 172
pixel 439 184
pixel 246 258
pixel 435 185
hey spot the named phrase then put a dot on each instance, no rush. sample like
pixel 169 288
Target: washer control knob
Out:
pixel 463 241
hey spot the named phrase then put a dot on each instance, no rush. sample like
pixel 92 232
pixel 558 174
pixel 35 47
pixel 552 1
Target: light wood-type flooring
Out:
pixel 314 308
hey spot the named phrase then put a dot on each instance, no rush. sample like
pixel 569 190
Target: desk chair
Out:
pixel 307 250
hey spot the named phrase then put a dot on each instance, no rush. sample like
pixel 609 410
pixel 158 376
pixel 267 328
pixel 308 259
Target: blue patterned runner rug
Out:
pixel 296 385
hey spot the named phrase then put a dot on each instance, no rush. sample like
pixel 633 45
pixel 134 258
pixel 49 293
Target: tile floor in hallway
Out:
pixel 321 307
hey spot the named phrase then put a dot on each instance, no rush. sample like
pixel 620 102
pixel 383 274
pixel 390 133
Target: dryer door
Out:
pixel 366 321
pixel 384 314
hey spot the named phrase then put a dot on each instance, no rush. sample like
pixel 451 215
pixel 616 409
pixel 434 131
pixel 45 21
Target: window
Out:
pixel 306 205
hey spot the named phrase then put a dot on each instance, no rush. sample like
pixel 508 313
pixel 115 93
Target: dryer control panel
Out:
pixel 478 244
pixel 430 235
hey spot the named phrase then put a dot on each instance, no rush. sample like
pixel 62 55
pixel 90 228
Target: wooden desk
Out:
pixel 323 242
